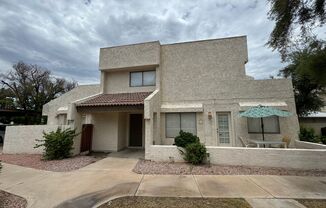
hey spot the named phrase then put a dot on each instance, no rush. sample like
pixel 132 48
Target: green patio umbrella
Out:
pixel 261 112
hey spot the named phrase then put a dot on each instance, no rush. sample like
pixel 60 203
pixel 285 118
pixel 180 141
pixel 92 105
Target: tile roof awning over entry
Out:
pixel 118 99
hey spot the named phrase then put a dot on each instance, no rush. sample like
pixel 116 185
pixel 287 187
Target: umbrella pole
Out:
pixel 262 128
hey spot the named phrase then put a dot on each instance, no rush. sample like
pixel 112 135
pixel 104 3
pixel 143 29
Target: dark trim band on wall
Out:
pixel 94 109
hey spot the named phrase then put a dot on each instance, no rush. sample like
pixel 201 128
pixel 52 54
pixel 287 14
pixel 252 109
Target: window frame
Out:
pixel 260 132
pixel 179 113
pixel 142 78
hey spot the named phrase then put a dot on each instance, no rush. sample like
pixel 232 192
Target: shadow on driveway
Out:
pixel 100 197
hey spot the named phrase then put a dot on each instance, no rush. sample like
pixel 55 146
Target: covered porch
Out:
pixel 112 122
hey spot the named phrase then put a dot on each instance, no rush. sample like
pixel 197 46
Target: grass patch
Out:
pixel 313 203
pixel 175 202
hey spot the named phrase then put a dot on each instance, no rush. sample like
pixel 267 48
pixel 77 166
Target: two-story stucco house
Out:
pixel 149 92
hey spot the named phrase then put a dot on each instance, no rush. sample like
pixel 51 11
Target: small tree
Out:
pixel 58 144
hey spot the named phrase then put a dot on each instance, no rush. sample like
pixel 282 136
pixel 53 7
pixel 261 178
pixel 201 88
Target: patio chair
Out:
pixel 245 142
pixel 287 140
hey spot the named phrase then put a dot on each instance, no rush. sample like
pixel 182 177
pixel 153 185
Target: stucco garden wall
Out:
pixel 22 139
pixel 264 157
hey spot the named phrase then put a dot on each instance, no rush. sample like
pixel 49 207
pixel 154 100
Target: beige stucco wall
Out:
pixel 196 69
pixel 151 112
pixel 65 100
pixel 212 72
pixel 118 82
pixel 22 139
pixel 122 131
pixel 105 132
pixel 264 157
pixel 110 132
pixel 315 123
pixel 143 54
pixel 199 125
pixel 251 91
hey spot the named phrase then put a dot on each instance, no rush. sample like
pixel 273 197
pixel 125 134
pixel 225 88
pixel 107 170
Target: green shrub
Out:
pixel 308 135
pixel 322 139
pixel 194 153
pixel 185 138
pixel 57 144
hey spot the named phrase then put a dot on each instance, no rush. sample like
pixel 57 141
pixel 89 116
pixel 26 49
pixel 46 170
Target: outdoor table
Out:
pixel 266 142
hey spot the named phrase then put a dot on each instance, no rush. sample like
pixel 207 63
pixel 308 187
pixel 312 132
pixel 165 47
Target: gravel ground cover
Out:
pixel 10 200
pixel 35 161
pixel 313 203
pixel 171 202
pixel 167 168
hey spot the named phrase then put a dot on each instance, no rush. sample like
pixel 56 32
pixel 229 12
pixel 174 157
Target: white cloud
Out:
pixel 65 36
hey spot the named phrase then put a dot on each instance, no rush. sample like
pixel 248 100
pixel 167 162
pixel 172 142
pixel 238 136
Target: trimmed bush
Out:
pixel 57 144
pixel 185 138
pixel 194 153
pixel 190 147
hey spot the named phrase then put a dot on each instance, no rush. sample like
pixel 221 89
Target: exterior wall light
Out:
pixel 210 116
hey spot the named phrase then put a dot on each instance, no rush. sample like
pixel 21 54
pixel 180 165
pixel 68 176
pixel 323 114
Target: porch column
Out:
pixel 148 135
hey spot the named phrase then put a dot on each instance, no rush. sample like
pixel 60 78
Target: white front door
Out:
pixel 223 129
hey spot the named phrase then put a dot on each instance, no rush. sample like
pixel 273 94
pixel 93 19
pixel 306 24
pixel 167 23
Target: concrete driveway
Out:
pixel 113 177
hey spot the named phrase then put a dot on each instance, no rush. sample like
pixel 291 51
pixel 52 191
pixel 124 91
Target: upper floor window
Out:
pixel 142 78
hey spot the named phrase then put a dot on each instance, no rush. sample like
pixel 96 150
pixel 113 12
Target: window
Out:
pixel 136 79
pixel 271 125
pixel 143 78
pixel 180 121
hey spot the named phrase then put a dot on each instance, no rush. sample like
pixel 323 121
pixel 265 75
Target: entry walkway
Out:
pixel 132 153
pixel 113 177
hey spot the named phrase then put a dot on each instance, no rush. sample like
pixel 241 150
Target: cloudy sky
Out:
pixel 65 36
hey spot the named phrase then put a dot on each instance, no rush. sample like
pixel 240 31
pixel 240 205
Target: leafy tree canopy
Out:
pixel 31 86
pixel 307 67
pixel 291 17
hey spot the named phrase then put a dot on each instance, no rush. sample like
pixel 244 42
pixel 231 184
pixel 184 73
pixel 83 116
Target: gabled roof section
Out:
pixel 118 99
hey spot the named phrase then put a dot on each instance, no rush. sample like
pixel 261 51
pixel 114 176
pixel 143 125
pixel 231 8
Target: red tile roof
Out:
pixel 136 98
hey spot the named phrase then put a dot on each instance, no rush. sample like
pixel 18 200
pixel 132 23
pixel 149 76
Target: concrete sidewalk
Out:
pixel 94 183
